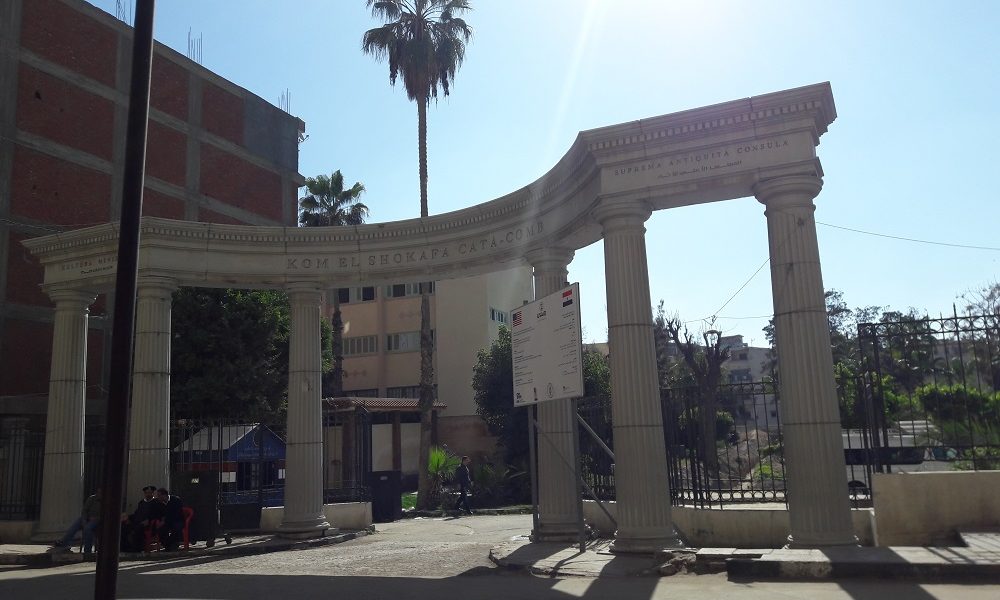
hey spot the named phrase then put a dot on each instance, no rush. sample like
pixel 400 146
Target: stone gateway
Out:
pixel 606 186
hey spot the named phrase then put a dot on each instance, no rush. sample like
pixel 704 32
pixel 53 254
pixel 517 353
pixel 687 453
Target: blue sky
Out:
pixel 913 153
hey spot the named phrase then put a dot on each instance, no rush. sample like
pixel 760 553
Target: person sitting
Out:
pixel 88 521
pixel 134 526
pixel 172 529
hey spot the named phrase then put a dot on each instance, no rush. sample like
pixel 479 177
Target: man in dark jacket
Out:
pixel 134 526
pixel 464 477
pixel 172 529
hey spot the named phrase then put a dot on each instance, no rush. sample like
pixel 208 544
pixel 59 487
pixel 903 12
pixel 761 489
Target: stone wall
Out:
pixel 923 509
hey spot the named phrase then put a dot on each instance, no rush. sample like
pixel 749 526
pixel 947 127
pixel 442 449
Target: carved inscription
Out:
pixel 680 165
pixel 90 266
pixel 471 246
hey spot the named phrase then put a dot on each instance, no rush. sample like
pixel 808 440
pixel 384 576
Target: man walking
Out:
pixel 464 477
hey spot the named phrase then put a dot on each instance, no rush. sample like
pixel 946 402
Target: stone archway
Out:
pixel 606 186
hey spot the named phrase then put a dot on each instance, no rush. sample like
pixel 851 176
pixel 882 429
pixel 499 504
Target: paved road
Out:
pixel 428 558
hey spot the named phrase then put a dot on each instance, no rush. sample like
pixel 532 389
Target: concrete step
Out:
pixel 904 562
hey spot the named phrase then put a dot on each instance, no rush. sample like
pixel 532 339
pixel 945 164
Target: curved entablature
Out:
pixel 702 155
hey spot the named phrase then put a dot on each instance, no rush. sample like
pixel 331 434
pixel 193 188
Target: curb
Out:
pixel 744 568
pixel 410 514
pixel 57 559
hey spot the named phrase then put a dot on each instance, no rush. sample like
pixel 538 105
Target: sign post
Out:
pixel 546 348
pixel 547 358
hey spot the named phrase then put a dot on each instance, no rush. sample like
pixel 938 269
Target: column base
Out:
pixel 305 529
pixel 647 542
pixel 822 541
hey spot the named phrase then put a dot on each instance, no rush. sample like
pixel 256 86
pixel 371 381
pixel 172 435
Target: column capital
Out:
pixel 621 214
pixel 154 286
pixel 70 298
pixel 793 190
pixel 550 258
pixel 304 292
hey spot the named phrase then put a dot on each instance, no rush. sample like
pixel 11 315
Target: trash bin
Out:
pixel 387 501
pixel 200 491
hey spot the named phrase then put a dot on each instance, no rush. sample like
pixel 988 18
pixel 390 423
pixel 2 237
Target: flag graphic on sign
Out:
pixel 517 319
pixel 567 297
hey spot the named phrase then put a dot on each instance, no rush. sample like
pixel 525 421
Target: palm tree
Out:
pixel 424 41
pixel 329 204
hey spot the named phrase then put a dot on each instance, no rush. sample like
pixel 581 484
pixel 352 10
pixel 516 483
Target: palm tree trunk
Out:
pixel 426 404
pixel 422 149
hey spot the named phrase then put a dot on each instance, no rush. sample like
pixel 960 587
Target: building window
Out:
pixel 369 393
pixel 402 290
pixel 408 341
pixel 356 294
pixel 365 344
pixel 499 316
pixel 407 391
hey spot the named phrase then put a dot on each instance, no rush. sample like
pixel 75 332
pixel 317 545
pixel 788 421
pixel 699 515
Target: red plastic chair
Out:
pixel 151 536
pixel 188 513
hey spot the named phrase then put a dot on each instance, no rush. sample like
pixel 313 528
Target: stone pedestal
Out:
pixel 149 432
pixel 62 471
pixel 642 488
pixel 303 515
pixel 814 453
pixel 558 490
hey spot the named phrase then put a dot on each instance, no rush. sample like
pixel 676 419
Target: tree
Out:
pixel 705 365
pixel 328 204
pixel 492 381
pixel 221 337
pixel 424 42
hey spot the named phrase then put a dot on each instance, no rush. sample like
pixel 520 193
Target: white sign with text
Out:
pixel 545 348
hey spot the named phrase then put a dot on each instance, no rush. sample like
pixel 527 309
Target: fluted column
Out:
pixel 62 471
pixel 558 491
pixel 149 432
pixel 303 516
pixel 642 488
pixel 814 453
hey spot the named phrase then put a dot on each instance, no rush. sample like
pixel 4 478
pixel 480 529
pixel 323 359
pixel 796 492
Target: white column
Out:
pixel 303 516
pixel 814 453
pixel 558 491
pixel 149 432
pixel 642 488
pixel 62 472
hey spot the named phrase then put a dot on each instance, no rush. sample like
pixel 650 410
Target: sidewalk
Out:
pixel 979 560
pixel 37 555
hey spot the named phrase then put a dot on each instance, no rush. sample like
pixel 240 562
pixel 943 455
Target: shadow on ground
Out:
pixel 162 580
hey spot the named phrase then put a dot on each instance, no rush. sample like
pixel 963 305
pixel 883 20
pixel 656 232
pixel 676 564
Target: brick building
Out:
pixel 216 153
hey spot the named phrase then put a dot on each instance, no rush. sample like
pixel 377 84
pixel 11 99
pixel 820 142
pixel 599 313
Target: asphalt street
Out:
pixel 425 558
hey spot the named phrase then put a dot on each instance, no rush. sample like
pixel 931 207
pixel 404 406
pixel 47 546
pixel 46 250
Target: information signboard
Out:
pixel 545 347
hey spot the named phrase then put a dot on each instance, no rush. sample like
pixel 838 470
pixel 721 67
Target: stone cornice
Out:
pixel 703 155
pixel 814 102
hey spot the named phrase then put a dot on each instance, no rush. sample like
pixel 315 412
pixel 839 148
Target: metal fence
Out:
pixel 20 472
pixel 928 394
pixel 743 462
pixel 596 466
pixel 247 458
pixel 22 454
pixel 242 461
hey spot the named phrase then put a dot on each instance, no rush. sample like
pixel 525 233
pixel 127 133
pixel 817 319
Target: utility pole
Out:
pixel 122 338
